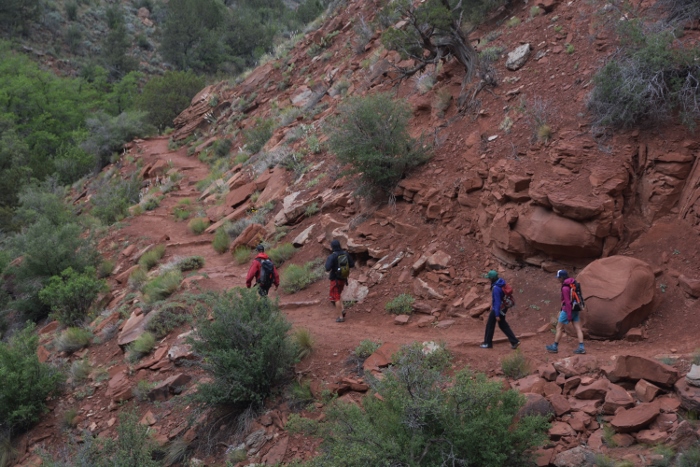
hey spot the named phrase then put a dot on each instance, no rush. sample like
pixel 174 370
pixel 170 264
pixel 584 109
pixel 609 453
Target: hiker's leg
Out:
pixel 557 335
pixel 490 328
pixel 261 291
pixel 579 332
pixel 505 327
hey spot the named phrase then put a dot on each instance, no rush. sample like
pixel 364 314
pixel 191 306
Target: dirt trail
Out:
pixel 334 341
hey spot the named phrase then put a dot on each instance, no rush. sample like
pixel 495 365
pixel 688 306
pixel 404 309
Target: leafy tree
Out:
pixel 71 294
pixel 191 34
pixel 437 29
pixel 371 134
pixel 165 97
pixel 245 348
pixel 424 418
pixel 117 44
pixel 108 134
pixel 15 15
pixel 26 383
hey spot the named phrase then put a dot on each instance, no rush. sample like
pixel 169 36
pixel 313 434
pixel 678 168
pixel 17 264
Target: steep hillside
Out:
pixel 519 181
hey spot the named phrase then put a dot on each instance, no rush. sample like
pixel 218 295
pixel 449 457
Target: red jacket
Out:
pixel 254 271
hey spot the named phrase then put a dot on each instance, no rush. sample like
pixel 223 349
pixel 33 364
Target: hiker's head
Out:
pixel 492 276
pixel 562 275
pixel 335 245
pixel 260 248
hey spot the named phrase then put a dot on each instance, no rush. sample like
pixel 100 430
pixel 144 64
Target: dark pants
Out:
pixel 503 324
pixel 262 290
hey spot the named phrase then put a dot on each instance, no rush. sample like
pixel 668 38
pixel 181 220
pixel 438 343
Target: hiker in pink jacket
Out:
pixel 569 312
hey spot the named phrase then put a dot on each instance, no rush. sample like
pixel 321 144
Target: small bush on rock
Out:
pixel 245 348
pixel 167 318
pixel 241 255
pixel 149 259
pixel 401 305
pixel 257 136
pixel 73 339
pixel 141 347
pixel 190 263
pixel 221 241
pixel 425 418
pixel 71 294
pixel 198 225
pixel 26 383
pixel 162 286
pixel 515 365
pixel 281 253
pixel 366 348
pixel 371 134
pixel 296 277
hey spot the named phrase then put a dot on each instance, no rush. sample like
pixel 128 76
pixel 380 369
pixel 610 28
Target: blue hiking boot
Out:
pixel 552 348
pixel 580 350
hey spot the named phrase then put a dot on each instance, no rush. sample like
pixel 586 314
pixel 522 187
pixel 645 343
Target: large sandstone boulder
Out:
pixel 634 367
pixel 619 292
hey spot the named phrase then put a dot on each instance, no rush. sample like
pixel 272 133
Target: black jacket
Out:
pixel 332 264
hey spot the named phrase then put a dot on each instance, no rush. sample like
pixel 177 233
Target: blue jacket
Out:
pixel 497 295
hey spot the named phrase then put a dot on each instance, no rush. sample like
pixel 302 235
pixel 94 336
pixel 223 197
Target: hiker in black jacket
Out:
pixel 338 271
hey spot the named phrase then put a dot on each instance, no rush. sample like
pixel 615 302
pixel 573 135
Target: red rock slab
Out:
pixel 617 397
pixel 595 441
pixel 547 372
pixel 276 454
pixel 551 388
pixel 381 358
pixel 651 436
pixel 543 457
pixel 527 384
pixel 623 440
pixel 577 365
pixel 689 395
pixel 589 407
pixel 665 422
pixel 578 421
pixel 668 403
pixel 561 429
pixel 596 390
pixel 629 421
pixel 646 391
pixel 560 404
pixel 571 383
pixel 635 367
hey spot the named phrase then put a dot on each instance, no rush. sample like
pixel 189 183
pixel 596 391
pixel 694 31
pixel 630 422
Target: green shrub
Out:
pixel 141 347
pixel 281 253
pixel 26 383
pixel 311 209
pixel 221 241
pixel 71 294
pixel 515 365
pixel 299 396
pixel 400 305
pixel 132 446
pixel 167 318
pixel 151 203
pixel 696 357
pixel 190 263
pixel 79 371
pixel 150 259
pixel 257 136
pixel 667 454
pixel 113 197
pixel 222 147
pixel 108 134
pixel 296 277
pixel 371 134
pixel 304 342
pixel 425 417
pixel 165 97
pixel 513 22
pixel 366 348
pixel 106 268
pixel 242 254
pixel 198 225
pixel 535 11
pixel 245 348
pixel 138 278
pixel 690 457
pixel 162 286
pixel 69 419
pixel 73 339
pixel 650 81
pixel 71 10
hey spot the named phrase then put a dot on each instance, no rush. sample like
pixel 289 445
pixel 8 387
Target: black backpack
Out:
pixel 267 273
pixel 577 303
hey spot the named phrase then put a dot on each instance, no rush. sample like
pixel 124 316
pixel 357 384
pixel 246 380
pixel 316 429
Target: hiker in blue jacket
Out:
pixel 497 314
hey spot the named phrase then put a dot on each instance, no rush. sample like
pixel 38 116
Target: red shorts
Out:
pixel 337 287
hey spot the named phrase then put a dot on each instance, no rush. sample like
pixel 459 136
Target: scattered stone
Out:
pixel 560 404
pixel 577 365
pixel 628 421
pixel 693 376
pixel 479 310
pixel 616 397
pixel 651 437
pixel 623 440
pixel 689 395
pixel 684 436
pixel 518 57
pixel 303 237
pixel 576 457
pixel 445 324
pixel 401 319
pixel 119 388
pixel 635 367
pixel 426 321
pixel 635 335
pixel 547 372
pixel 438 260
pixel 645 391
pixel 597 390
pixel 149 419
pixel 690 286
pixel 535 404
pixel 560 429
pixel 381 358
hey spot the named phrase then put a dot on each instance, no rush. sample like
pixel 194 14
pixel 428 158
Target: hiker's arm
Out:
pixel 329 262
pixel 276 277
pixel 252 272
pixel 566 296
pixel 496 300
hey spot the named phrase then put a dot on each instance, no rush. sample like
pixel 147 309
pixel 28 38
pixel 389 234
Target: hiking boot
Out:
pixel 515 346
pixel 340 320
pixel 552 348
pixel 580 350
pixel 486 346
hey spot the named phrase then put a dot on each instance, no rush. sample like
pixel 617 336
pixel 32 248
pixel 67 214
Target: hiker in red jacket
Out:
pixel 262 266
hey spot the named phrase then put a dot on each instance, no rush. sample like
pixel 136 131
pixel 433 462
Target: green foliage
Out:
pixel 79 371
pixel 162 286
pixel 570 49
pixel 141 347
pixel 299 396
pixel 652 79
pixel 425 418
pixel 15 15
pixel 513 22
pixel 71 294
pixel 149 259
pixel 371 135
pixel 165 97
pixel 167 318
pixel 245 348
pixel 366 348
pixel 107 134
pixel 116 45
pixel 608 433
pixel 190 263
pixel 73 339
pixel 515 365
pixel 131 447
pixel 257 136
pixel 311 209
pixel 198 225
pixel 667 452
pixel 138 278
pixel 151 203
pixel 26 383
pixel 296 277
pixel 696 357
pixel 105 269
pixel 304 342
pixel 221 241
pixel 113 197
pixel 281 253
pixel 242 254
pixel 690 458
pixel 535 11
pixel 400 305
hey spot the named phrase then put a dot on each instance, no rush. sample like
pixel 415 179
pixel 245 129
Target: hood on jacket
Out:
pixel 569 281
pixel 262 256
pixel 335 245
pixel 500 282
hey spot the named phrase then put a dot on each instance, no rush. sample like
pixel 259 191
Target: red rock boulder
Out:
pixel 634 367
pixel 629 421
pixel 619 292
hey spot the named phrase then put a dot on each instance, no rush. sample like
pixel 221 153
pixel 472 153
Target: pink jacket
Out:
pixel 566 296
